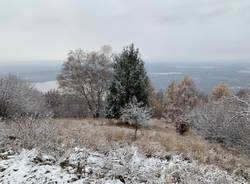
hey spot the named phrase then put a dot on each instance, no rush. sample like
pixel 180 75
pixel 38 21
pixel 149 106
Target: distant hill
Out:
pixel 44 71
pixel 206 75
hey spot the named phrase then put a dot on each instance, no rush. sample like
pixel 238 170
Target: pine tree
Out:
pixel 129 80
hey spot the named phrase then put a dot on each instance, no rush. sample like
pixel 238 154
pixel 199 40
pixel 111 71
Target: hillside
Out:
pixel 102 151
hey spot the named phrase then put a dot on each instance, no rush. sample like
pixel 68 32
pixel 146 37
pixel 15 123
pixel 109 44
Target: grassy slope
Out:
pixel 159 139
pixel 56 137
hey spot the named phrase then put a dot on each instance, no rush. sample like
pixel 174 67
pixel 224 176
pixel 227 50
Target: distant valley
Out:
pixel 206 75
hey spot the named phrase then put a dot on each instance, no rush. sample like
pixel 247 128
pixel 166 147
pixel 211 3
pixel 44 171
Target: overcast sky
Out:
pixel 164 30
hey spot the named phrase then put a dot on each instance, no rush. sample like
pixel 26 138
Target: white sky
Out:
pixel 164 30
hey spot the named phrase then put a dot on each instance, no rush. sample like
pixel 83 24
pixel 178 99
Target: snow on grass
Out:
pixel 123 165
pixel 20 169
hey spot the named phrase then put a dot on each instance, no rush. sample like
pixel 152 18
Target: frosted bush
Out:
pixel 226 121
pixel 135 114
pixel 124 165
pixel 18 97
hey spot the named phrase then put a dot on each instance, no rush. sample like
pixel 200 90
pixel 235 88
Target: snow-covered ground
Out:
pixel 124 165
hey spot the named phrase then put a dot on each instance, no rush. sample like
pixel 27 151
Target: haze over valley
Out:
pixel 205 74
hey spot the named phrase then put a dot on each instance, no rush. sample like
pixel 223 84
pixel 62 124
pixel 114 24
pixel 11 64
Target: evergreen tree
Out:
pixel 129 80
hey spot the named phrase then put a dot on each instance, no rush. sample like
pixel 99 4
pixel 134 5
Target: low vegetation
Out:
pixel 60 137
pixel 225 121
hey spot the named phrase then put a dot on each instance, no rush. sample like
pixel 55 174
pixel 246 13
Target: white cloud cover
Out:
pixel 165 30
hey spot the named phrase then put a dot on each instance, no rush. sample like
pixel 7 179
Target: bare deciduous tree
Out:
pixel 87 75
pixel 18 97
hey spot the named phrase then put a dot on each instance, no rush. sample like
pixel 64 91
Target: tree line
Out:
pixel 101 84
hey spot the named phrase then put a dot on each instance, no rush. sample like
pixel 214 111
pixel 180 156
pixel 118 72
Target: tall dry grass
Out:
pixel 56 137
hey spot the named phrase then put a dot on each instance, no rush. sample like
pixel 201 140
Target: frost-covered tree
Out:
pixel 87 74
pixel 129 80
pixel 226 120
pixel 19 97
pixel 135 114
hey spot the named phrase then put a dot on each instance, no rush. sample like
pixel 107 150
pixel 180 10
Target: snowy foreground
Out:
pixel 125 165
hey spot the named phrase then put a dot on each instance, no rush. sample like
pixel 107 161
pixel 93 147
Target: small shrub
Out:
pixel 30 132
pixel 135 114
pixel 182 126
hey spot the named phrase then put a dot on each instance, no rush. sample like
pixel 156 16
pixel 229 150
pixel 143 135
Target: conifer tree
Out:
pixel 129 80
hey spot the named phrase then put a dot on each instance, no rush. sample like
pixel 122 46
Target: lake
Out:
pixel 46 86
pixel 205 74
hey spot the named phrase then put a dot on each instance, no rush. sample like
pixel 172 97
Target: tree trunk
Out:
pixel 135 136
pixel 96 115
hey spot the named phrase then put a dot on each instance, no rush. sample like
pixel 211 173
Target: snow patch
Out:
pixel 124 165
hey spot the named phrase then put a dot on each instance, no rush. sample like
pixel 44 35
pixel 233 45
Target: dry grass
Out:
pixel 159 139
